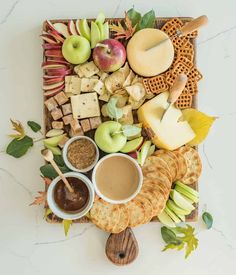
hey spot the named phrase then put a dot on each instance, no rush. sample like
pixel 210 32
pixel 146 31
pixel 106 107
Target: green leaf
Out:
pixel 18 147
pixel 147 21
pixel 131 130
pixel 34 126
pixel 59 160
pixel 134 16
pixel 112 111
pixel 208 219
pixel 169 236
pixel 48 171
pixel 67 224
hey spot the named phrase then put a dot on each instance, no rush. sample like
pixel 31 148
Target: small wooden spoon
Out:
pixel 48 156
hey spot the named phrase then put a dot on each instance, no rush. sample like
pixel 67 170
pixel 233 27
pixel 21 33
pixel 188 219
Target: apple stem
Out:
pixel 103 46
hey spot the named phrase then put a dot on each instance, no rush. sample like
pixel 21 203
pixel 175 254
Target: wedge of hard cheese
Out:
pixel 170 133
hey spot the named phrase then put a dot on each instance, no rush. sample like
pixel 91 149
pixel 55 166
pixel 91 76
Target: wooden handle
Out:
pixel 194 25
pixel 177 88
pixel 57 169
pixel 122 248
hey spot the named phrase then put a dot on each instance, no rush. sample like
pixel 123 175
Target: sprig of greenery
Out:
pixel 208 219
pixel 141 22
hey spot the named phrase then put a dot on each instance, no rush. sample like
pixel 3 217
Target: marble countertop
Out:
pixel 29 245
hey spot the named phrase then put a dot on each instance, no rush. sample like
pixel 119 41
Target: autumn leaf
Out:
pixel 47 181
pixel 41 199
pixel 17 126
pixel 47 212
pixel 125 31
pixel 67 224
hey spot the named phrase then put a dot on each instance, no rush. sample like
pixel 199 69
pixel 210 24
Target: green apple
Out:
pixel 84 29
pixel 100 18
pixel 180 201
pixel 55 150
pixel 132 145
pixel 187 188
pixel 185 193
pixel 109 137
pixel 76 49
pixel 106 31
pixel 165 219
pixel 176 209
pixel 95 35
pixel 172 215
pixel 53 141
pixel 142 155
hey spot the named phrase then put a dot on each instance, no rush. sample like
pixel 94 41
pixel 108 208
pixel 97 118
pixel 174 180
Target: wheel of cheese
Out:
pixel 146 59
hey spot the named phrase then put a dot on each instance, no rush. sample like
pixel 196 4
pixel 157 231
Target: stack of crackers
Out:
pixel 160 171
pixel 183 64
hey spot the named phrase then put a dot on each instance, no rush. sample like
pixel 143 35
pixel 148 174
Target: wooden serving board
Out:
pixel 48 119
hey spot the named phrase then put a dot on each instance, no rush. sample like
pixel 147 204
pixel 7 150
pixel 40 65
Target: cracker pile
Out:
pixel 183 63
pixel 159 171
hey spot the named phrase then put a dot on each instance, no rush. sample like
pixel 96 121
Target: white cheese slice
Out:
pixel 146 59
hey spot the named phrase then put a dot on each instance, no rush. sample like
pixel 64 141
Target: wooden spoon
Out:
pixel 48 156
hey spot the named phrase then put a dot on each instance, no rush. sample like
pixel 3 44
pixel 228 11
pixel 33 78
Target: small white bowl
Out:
pixel 139 183
pixel 57 210
pixel 67 162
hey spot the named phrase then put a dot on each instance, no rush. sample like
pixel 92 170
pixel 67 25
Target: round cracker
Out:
pixel 123 221
pixel 182 165
pixel 156 174
pixel 158 186
pixel 105 215
pixel 194 164
pixel 150 193
pixel 147 207
pixel 170 159
pixel 136 213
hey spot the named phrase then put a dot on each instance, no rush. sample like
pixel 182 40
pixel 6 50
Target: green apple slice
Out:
pixel 176 209
pixel 132 145
pixel 55 150
pixel 84 29
pixel 183 192
pixel 54 132
pixel 53 141
pixel 101 30
pixel 187 188
pixel 182 217
pixel 106 31
pixel 142 155
pixel 180 201
pixel 186 198
pixel 151 150
pixel 100 18
pixel 165 219
pixel 95 35
pixel 172 215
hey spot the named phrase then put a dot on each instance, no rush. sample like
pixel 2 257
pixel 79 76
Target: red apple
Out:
pixel 48 46
pixel 109 55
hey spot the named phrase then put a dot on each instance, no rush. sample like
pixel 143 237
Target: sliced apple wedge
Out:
pixel 165 219
pixel 180 201
pixel 56 53
pixel 77 26
pixel 95 35
pixel 100 18
pixel 48 38
pixel 55 150
pixel 59 72
pixel 71 28
pixel 53 86
pixel 54 133
pixel 172 215
pixel 101 30
pixel 53 66
pixel 62 29
pixel 187 188
pixel 106 31
pixel 53 92
pixel 57 36
pixel 52 62
pixel 176 209
pixel 132 145
pixel 143 153
pixel 48 46
pixel 84 29
pixel 57 58
pixel 53 80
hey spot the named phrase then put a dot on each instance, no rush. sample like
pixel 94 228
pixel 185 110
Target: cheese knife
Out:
pixel 175 92
pixel 191 26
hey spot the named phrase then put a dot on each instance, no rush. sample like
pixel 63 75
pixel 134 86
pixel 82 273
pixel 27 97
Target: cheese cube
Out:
pixel 57 124
pixel 67 119
pixel 61 98
pixel 72 84
pixel 88 69
pixel 95 122
pixel 85 105
pixel 78 71
pixel 56 113
pixel 50 104
pixel 85 124
pixel 103 76
pixel 63 141
pixel 66 109
pixel 76 129
pixel 105 97
pixel 99 87
pixel 87 84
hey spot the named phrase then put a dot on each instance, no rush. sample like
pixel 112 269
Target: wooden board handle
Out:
pixel 193 25
pixel 177 88
pixel 122 248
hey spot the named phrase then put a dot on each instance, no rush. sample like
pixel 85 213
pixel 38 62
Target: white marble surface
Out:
pixel 28 245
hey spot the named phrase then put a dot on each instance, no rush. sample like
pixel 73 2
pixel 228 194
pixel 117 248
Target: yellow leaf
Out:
pixel 67 224
pixel 199 122
pixel 47 212
pixel 17 126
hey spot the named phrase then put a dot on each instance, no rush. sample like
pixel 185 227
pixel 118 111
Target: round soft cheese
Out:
pixel 145 56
